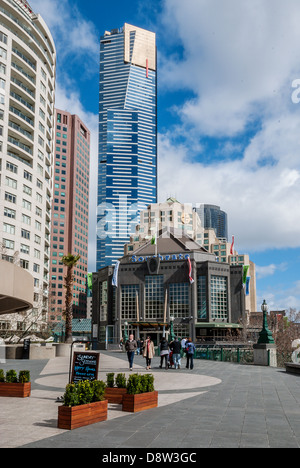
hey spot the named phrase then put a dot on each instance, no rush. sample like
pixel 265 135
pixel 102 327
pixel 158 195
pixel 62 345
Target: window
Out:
pixel 201 297
pixel 27 190
pixel 219 297
pixel 28 176
pixel 179 299
pixel 10 197
pixel 11 167
pixel 26 219
pixel 128 301
pixel 26 204
pixel 10 213
pixel 8 244
pixel 25 249
pixel 24 264
pixel 12 183
pixel 154 297
pixel 25 234
pixel 9 228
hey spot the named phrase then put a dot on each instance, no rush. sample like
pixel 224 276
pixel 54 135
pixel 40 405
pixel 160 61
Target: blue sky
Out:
pixel 228 123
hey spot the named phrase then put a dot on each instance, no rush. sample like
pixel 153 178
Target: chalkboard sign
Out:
pixel 85 366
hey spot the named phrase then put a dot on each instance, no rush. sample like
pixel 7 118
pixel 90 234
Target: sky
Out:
pixel 228 114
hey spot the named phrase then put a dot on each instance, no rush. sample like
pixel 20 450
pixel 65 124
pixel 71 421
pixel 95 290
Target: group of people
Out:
pixel 169 352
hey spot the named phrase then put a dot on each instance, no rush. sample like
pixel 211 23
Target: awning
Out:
pixel 149 324
pixel 218 325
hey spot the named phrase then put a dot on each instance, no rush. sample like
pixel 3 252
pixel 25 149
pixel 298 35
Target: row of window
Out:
pixel 179 302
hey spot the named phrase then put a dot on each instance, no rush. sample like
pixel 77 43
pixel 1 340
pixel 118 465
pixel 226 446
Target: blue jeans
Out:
pixel 130 355
pixel 189 360
pixel 177 360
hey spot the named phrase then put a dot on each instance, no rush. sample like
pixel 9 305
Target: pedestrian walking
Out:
pixel 190 350
pixel 130 347
pixel 164 352
pixel 121 344
pixel 148 351
pixel 138 349
pixel 175 346
pixel 183 342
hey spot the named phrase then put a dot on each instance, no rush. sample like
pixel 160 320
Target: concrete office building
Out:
pixel 70 212
pixel 127 174
pixel 27 86
pixel 175 281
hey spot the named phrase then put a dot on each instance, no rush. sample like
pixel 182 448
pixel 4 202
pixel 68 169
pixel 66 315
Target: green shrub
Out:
pixel 24 376
pixel 84 392
pixel 110 380
pixel 11 376
pixel 134 384
pixel 2 375
pixel 147 383
pixel 121 381
pixel 71 397
pixel 98 390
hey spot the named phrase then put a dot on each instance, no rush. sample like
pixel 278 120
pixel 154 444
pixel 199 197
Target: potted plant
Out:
pixel 115 388
pixel 140 393
pixel 12 385
pixel 83 403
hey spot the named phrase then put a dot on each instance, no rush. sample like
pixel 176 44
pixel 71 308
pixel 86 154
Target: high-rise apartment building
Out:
pixel 27 85
pixel 212 216
pixel 70 212
pixel 127 173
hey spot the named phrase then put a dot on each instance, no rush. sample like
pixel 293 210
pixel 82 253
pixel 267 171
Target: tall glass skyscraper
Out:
pixel 212 216
pixel 127 165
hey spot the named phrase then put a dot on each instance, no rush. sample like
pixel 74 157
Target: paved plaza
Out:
pixel 215 405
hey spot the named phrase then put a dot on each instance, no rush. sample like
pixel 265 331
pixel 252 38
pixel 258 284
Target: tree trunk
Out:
pixel 69 304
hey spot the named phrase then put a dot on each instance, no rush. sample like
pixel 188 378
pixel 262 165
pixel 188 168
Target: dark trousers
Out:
pixel 130 355
pixel 165 356
pixel 189 360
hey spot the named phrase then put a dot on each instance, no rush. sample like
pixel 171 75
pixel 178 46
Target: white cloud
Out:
pixel 269 270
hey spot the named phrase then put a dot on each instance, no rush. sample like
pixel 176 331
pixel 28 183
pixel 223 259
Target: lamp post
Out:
pixel 125 331
pixel 265 336
pixel 172 336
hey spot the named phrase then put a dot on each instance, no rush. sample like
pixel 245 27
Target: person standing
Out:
pixel 190 350
pixel 183 342
pixel 176 348
pixel 130 347
pixel 148 351
pixel 164 352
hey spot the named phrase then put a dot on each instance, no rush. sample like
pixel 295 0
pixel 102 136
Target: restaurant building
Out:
pixel 173 287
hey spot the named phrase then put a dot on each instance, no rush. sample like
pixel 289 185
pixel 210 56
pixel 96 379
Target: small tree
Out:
pixel 69 261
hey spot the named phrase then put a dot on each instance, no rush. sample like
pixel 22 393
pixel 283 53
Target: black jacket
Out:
pixel 176 347
pixel 164 345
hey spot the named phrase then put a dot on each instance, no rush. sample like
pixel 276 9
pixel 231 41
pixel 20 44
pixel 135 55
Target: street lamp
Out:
pixel 265 336
pixel 125 331
pixel 172 336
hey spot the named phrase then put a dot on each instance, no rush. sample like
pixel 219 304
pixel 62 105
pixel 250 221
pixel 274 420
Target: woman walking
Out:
pixel 148 351
pixel 164 352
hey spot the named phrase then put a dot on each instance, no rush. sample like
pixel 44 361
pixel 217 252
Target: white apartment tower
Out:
pixel 27 85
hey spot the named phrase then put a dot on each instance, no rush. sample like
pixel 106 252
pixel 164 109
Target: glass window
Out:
pixel 179 299
pixel 219 297
pixel 201 299
pixel 128 301
pixel 154 297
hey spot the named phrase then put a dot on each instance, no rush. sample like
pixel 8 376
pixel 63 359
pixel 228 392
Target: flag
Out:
pixel 247 292
pixel 115 275
pixel 232 244
pixel 190 270
pixel 90 281
pixel 153 240
pixel 245 272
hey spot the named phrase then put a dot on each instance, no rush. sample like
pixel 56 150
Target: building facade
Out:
pixel 127 165
pixel 27 87
pixel 175 283
pixel 70 212
pixel 212 216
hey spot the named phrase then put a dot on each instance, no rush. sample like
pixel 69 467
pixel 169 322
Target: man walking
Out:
pixel 130 347
pixel 176 348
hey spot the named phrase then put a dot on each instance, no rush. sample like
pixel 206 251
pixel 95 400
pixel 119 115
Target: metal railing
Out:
pixel 233 354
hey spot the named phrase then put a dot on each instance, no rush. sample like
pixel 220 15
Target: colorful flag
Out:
pixel 245 272
pixel 190 270
pixel 247 287
pixel 232 244
pixel 115 275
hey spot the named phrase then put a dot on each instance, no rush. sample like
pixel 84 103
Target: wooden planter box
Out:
pixel 140 402
pixel 18 390
pixel 71 417
pixel 115 394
